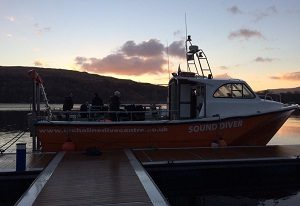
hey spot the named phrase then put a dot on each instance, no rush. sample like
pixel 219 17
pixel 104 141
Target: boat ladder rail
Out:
pixel 272 96
pixel 191 52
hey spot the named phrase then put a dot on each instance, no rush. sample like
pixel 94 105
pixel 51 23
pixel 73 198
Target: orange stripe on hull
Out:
pixel 253 130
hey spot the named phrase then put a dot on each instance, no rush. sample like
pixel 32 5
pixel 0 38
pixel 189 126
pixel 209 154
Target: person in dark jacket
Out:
pixel 83 109
pixel 68 105
pixel 114 105
pixel 97 102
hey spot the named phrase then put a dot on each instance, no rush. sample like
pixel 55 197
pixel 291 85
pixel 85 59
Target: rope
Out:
pixel 12 141
pixel 48 108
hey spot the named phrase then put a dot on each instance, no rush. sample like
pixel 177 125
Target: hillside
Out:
pixel 286 90
pixel 289 95
pixel 16 86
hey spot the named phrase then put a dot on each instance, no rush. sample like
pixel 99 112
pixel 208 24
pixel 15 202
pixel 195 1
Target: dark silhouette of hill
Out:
pixel 16 86
pixel 285 90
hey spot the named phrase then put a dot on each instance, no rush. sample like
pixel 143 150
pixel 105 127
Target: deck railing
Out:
pixel 272 96
pixel 102 114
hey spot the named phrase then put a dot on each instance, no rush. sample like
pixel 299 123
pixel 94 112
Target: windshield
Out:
pixel 234 90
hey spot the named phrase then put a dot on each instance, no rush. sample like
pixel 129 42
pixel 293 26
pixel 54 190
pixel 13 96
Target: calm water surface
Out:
pixel 13 122
pixel 271 195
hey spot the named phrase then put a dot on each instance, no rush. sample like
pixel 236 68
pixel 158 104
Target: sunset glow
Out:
pixel 257 41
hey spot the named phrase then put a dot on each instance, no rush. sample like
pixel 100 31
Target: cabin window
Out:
pixel 232 90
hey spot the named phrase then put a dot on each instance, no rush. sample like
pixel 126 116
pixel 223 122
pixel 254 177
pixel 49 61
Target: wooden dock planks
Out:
pixel 108 179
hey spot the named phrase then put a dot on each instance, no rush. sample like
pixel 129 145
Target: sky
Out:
pixel 143 40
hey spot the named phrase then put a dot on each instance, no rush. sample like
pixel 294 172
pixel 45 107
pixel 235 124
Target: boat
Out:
pixel 201 111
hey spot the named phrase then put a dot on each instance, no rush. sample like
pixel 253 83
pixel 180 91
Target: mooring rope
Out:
pixel 12 141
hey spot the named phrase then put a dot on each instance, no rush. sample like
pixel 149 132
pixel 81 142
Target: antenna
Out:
pixel 185 25
pixel 168 60
pixel 186 36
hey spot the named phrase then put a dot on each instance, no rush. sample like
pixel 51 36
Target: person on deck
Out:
pixel 83 109
pixel 97 102
pixel 68 105
pixel 114 105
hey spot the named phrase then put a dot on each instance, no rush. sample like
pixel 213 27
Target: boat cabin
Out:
pixel 192 96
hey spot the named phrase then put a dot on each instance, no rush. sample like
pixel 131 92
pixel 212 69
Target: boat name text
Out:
pixel 215 126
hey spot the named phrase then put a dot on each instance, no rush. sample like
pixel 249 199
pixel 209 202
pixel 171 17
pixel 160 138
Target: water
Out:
pixel 256 194
pixel 14 121
pixel 289 134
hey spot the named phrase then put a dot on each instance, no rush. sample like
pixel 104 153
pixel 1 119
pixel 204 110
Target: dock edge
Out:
pixel 29 197
pixel 150 187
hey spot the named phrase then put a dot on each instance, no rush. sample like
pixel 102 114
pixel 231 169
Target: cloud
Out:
pixel 271 48
pixel 133 58
pixel 81 60
pixel 234 10
pixel 119 64
pixel 245 33
pixel 10 18
pixel 261 59
pixel 223 67
pixel 41 30
pixel 274 77
pixel 177 33
pixel 270 11
pixel 38 63
pixel 177 49
pixel 9 35
pixel 222 76
pixel 149 48
pixel 293 76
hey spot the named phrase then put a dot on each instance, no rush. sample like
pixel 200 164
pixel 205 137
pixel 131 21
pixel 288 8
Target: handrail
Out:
pixel 268 95
pixel 121 115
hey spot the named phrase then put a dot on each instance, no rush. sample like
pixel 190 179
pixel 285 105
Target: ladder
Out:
pixel 38 82
pixel 192 53
pixel 48 108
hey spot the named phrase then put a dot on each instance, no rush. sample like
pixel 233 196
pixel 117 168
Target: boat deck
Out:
pixel 113 178
pixel 186 155
pixel 34 161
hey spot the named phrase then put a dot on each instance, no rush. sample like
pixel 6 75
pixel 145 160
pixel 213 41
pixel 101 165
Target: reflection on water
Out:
pixel 10 137
pixel 12 122
pixel 245 195
pixel 233 200
pixel 289 134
